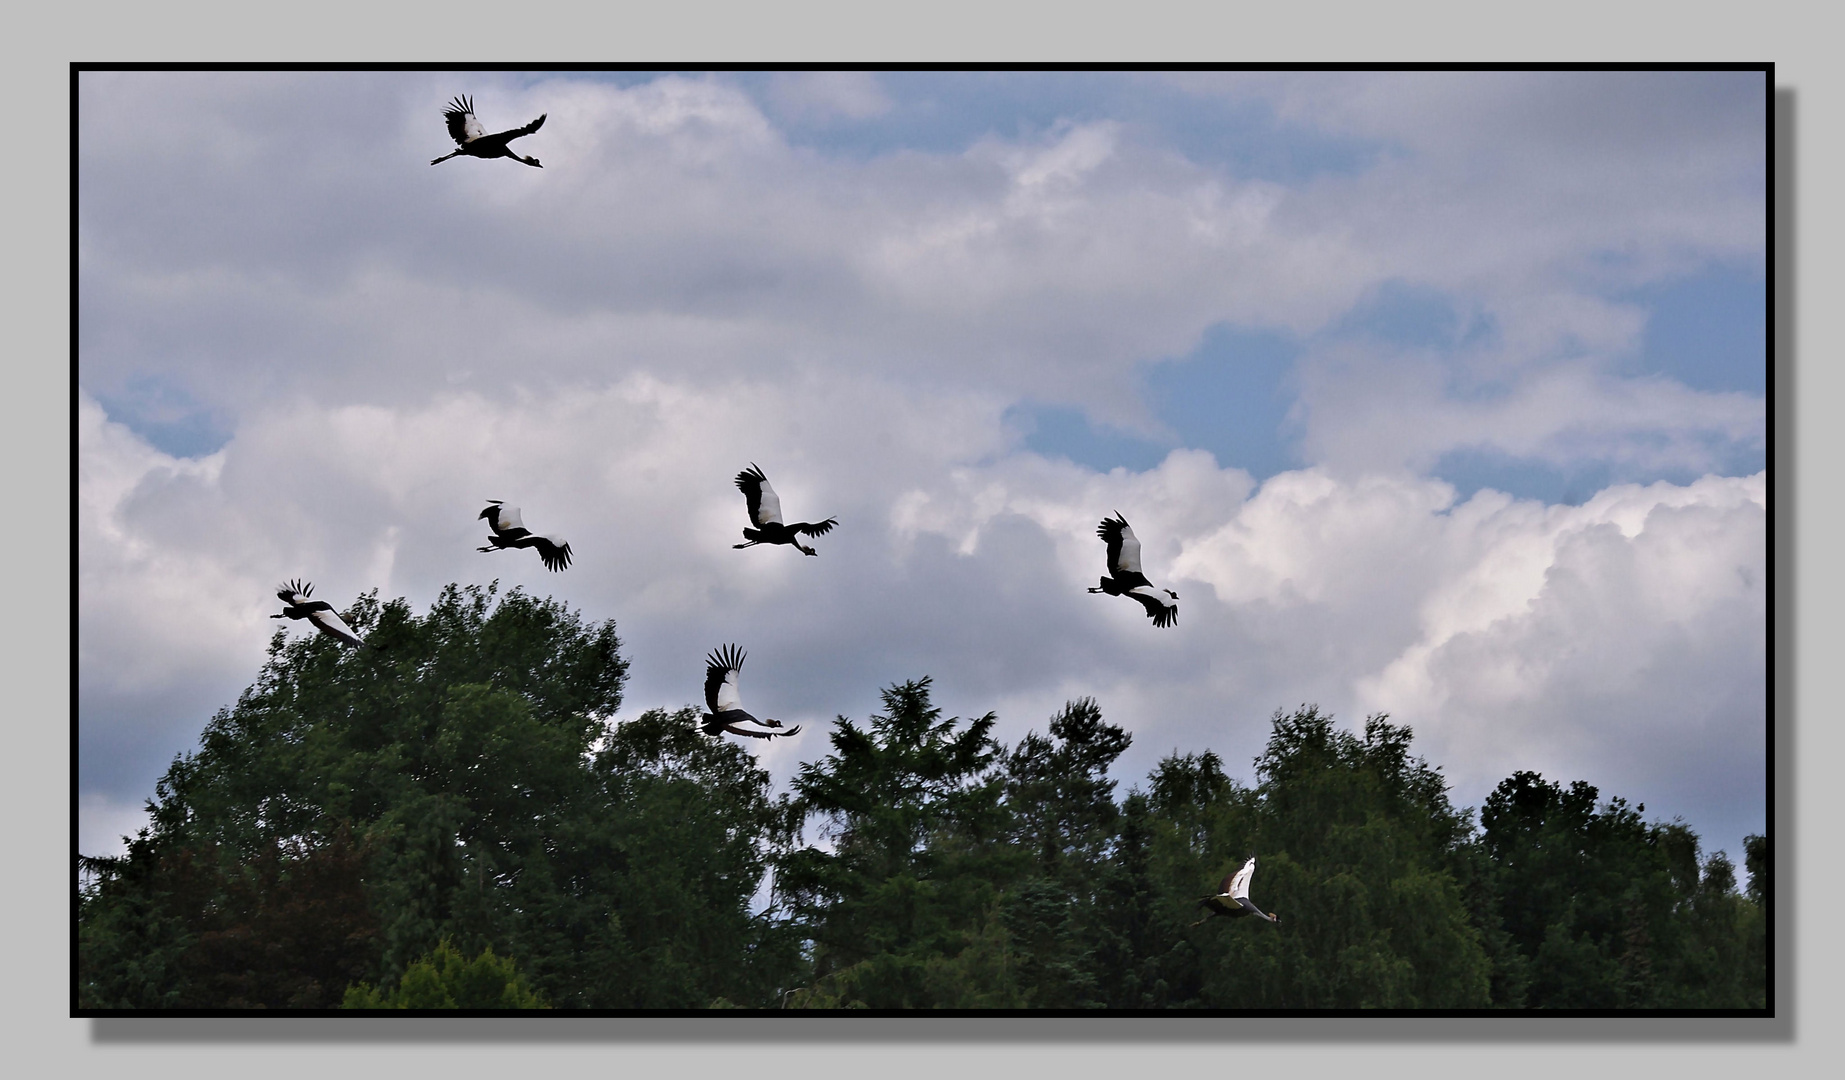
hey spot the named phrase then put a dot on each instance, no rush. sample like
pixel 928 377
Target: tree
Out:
pixel 1613 913
pixel 1358 846
pixel 444 979
pixel 458 781
pixel 902 913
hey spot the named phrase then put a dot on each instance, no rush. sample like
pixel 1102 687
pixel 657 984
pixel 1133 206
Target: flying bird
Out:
pixel 298 605
pixel 766 515
pixel 1232 899
pixel 726 707
pixel 1124 576
pixel 510 532
pixel 472 139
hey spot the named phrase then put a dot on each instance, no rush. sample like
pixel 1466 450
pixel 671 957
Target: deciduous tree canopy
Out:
pixel 364 820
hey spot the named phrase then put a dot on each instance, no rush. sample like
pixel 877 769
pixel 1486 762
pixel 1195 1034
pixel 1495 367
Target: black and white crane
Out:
pixel 299 604
pixel 472 140
pixel 766 515
pixel 510 532
pixel 726 706
pixel 1232 899
pixel 1124 576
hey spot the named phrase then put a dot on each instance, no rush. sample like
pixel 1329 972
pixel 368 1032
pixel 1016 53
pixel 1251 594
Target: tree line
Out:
pixel 451 819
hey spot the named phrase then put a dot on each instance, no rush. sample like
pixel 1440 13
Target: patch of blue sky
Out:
pixel 1412 316
pixel 165 415
pixel 1574 483
pixel 1067 432
pixel 1230 396
pixel 1708 330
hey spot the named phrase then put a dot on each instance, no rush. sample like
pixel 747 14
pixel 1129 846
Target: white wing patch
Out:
pixel 508 517
pixel 727 696
pixel 1157 595
pixel 333 624
pixel 471 128
pixel 1239 885
pixel 770 510
pixel 1129 562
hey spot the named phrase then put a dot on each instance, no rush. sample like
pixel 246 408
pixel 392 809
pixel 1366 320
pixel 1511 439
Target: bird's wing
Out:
pixel 1223 887
pixel 332 625
pixel 721 679
pixel 292 593
pixel 760 731
pixel 736 729
pixel 815 528
pixel 514 133
pixel 1162 609
pixel 462 126
pixel 1239 885
pixel 763 505
pixel 1124 552
pixel 1110 532
pixel 505 519
pixel 768 510
pixel 553 550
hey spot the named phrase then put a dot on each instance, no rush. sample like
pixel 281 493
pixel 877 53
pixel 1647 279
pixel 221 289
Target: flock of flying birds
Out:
pixel 508 530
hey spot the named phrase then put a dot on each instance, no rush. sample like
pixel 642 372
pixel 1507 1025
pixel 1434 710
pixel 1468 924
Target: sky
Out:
pixel 1440 395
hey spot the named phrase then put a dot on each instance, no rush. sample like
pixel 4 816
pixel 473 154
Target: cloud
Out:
pixel 1510 634
pixel 682 291
pixel 826 95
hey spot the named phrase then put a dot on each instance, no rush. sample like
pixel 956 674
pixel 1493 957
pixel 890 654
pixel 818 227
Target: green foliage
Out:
pixel 1357 849
pixel 370 818
pixel 193 928
pixel 485 799
pixel 444 979
pixel 1613 913
pixel 917 825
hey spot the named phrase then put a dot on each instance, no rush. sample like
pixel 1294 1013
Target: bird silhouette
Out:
pixel 300 605
pixel 510 532
pixel 472 140
pixel 766 515
pixel 726 706
pixel 1232 898
pixel 1124 575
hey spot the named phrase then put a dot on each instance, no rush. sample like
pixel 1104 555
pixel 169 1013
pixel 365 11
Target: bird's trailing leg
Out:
pixel 443 158
pixel 752 543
